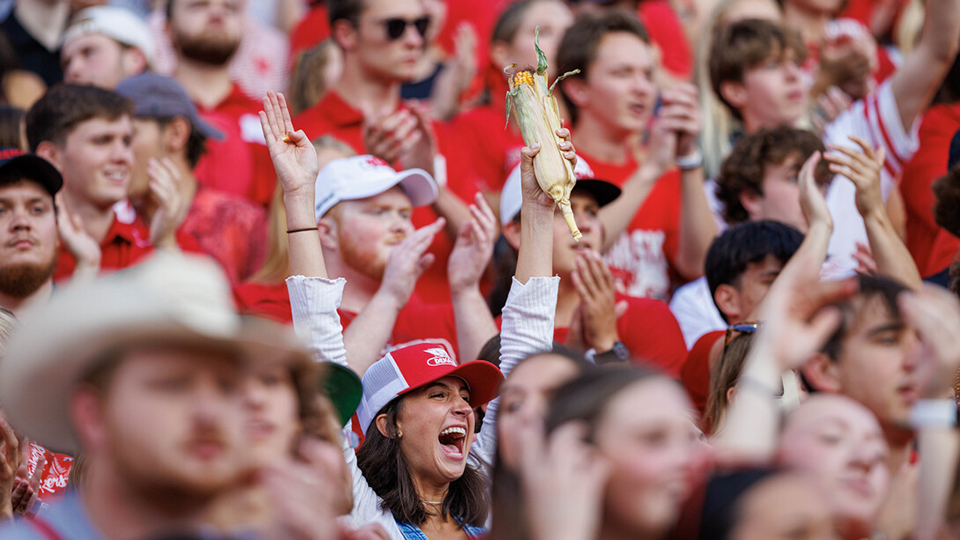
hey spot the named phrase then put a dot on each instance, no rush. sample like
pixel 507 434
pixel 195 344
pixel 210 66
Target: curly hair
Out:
pixel 743 171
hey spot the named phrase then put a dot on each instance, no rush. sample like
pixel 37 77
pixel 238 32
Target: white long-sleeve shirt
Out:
pixel 527 328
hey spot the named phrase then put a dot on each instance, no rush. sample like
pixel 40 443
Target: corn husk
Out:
pixel 537 115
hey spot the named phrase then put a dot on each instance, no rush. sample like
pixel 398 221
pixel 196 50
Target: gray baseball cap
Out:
pixel 157 96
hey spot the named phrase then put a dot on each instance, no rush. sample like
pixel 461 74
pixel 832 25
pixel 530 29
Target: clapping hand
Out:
pixel 165 189
pixel 474 247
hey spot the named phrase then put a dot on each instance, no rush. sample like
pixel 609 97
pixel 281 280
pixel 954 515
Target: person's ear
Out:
pixel 345 34
pixel 752 203
pixel 727 298
pixel 511 232
pixel 175 135
pixel 384 428
pixel 823 374
pixel 133 61
pixel 734 93
pixel 499 53
pixel 328 233
pixel 87 415
pixel 730 393
pixel 51 152
pixel 575 88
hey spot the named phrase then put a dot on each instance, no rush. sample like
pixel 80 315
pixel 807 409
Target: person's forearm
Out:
pixel 535 257
pixel 697 227
pixel 370 331
pixel 891 254
pixel 814 245
pixel 617 215
pixel 85 272
pixel 938 448
pixel 451 208
pixel 475 324
pixel 304 250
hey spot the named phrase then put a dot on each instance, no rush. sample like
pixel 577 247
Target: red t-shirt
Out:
pixel 640 259
pixel 240 163
pixel 313 28
pixel 666 31
pixel 123 246
pixel 230 229
pixel 931 252
pixel 695 374
pixel 56 471
pixel 493 150
pixel 650 332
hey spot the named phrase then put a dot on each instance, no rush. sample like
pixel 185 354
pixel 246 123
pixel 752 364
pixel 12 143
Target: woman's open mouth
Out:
pixel 452 442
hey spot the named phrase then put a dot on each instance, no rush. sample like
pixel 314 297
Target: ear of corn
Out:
pixel 537 116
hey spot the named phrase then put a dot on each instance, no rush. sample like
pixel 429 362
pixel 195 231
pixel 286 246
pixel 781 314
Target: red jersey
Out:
pixel 695 374
pixel 313 28
pixel 650 332
pixel 269 300
pixel 932 248
pixel 667 33
pixel 230 229
pixel 123 246
pixel 640 259
pixel 493 150
pixel 56 471
pixel 240 163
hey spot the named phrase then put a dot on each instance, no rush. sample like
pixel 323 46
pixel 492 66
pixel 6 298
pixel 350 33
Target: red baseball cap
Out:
pixel 412 366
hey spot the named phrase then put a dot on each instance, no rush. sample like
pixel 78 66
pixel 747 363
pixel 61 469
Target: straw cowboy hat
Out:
pixel 170 299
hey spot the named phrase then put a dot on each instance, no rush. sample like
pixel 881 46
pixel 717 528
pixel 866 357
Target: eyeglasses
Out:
pixel 746 327
pixel 396 26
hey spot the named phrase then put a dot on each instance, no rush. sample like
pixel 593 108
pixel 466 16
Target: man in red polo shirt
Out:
pixel 382 40
pixel 205 36
pixel 662 221
pixel 85 132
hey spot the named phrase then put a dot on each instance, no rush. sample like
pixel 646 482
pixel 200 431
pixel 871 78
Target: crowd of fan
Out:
pixel 349 311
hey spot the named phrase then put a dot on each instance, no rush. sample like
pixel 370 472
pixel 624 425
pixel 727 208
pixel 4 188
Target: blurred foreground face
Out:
pixel 784 507
pixel 648 436
pixel 841 444
pixel 207 31
pixel 28 237
pixel 95 59
pixel 380 56
pixel 272 422
pixel 172 420
pixel 525 395
pixel 618 89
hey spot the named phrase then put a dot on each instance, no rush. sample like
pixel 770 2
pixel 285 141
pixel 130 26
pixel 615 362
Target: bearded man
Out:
pixel 205 35
pixel 28 229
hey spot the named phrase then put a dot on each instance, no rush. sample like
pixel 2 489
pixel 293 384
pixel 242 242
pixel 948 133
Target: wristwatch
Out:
pixel 618 354
pixel 690 161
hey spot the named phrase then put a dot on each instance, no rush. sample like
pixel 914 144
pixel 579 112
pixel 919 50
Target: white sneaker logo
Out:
pixel 440 358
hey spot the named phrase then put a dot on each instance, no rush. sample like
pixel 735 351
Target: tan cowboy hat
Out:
pixel 170 299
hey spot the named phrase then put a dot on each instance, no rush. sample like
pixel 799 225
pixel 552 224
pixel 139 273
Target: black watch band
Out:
pixel 618 354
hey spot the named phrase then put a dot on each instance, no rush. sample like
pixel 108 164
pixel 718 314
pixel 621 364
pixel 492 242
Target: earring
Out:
pixel 399 434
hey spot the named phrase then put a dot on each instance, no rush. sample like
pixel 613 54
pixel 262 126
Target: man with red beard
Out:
pixel 163 343
pixel 205 35
pixel 28 229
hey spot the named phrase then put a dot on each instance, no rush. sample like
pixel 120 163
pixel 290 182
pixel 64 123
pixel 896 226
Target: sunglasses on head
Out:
pixel 396 27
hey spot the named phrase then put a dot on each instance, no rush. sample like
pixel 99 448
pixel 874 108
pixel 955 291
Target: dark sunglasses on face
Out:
pixel 396 27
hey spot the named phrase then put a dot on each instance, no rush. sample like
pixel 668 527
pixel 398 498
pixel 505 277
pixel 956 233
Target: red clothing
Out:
pixel 417 320
pixel 313 28
pixel 667 33
pixel 56 471
pixel 123 246
pixel 240 163
pixel 932 248
pixel 695 374
pixel 230 229
pixel 640 259
pixel 493 150
pixel 335 117
pixel 650 332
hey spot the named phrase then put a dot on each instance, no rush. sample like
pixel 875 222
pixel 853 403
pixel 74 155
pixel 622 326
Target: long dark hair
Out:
pixel 388 474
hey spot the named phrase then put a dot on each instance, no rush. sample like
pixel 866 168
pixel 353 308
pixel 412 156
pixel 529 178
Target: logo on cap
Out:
pixel 375 162
pixel 440 357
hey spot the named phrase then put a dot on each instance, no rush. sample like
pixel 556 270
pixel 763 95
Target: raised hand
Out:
pixel 530 189
pixel 680 114
pixel 474 247
pixel 75 238
pixel 812 203
pixel 863 168
pixel 26 487
pixel 165 189
pixel 294 158
pixel 408 261
pixel 935 314
pixel 598 302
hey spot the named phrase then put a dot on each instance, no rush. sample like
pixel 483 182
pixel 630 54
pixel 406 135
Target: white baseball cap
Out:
pixel 511 198
pixel 117 23
pixel 359 177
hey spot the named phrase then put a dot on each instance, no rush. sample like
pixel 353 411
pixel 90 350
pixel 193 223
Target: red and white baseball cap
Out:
pixel 511 197
pixel 359 177
pixel 410 367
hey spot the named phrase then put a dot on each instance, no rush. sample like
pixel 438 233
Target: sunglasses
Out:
pixel 396 27
pixel 746 327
